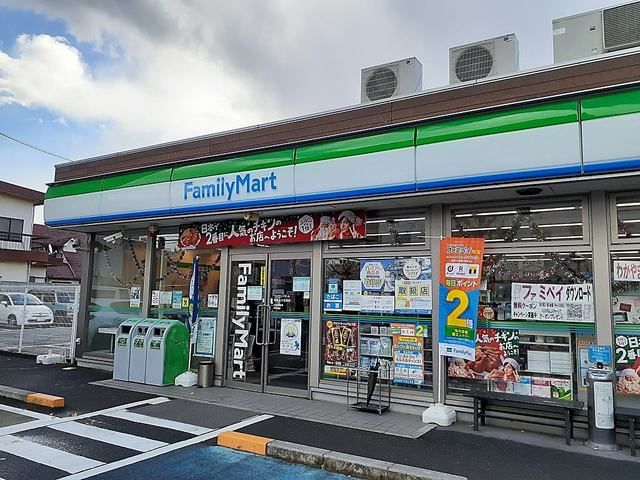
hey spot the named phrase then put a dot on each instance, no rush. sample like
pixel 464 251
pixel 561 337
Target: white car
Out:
pixel 14 312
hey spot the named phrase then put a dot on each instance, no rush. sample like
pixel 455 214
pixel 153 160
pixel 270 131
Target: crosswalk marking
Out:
pixel 159 422
pixel 35 452
pixel 126 440
pixel 46 422
pixel 166 449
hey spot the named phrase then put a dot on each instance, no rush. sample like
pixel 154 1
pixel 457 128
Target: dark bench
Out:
pixel 482 397
pixel 630 414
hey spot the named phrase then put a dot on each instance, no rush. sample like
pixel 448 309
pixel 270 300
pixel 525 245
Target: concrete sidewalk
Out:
pixel 390 423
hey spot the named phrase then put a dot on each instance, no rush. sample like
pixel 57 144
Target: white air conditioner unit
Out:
pixel 475 61
pixel 596 32
pixel 403 77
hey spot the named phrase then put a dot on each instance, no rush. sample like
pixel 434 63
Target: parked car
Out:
pixel 14 312
pixel 61 302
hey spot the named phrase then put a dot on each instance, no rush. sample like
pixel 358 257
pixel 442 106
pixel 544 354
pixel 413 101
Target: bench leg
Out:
pixel 475 414
pixel 632 436
pixel 483 418
pixel 568 427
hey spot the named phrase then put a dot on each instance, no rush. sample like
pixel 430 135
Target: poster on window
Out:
pixel 290 336
pixel 459 295
pixel 165 297
pixel 401 286
pixel 205 337
pixel 333 226
pixel 408 362
pixel 626 271
pixel 352 295
pixel 134 297
pixel 627 364
pixel 551 302
pixel 339 347
pixel 496 356
pixel 413 297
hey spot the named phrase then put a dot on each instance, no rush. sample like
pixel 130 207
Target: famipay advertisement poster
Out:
pixel 459 291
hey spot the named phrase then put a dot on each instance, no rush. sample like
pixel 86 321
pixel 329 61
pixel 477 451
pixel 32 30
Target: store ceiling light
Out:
pixel 628 204
pixel 506 212
pixel 553 209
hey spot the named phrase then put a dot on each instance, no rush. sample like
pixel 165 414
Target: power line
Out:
pixel 34 147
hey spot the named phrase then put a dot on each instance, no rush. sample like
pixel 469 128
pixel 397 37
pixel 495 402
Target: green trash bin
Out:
pixel 167 352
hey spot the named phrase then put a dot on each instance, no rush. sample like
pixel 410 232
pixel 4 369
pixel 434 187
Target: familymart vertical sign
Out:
pixel 460 272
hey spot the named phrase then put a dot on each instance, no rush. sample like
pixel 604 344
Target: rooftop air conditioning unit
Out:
pixel 596 32
pixel 403 77
pixel 475 61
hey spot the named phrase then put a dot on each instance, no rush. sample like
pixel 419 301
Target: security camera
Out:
pixel 251 216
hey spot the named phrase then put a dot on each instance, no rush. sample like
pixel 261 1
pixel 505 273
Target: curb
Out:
pixel 361 467
pixel 34 398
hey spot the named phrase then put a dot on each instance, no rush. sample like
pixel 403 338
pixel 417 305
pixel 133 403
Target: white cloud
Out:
pixel 178 69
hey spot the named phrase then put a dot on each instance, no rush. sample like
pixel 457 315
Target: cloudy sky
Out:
pixel 83 78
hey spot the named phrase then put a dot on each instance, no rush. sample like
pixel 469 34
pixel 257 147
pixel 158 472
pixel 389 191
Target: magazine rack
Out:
pixel 381 396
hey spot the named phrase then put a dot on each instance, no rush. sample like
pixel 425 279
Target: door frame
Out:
pixel 287 252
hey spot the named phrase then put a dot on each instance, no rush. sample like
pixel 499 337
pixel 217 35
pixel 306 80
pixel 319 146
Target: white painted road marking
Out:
pixel 47 422
pixel 51 457
pixel 159 422
pixel 166 449
pixel 126 440
pixel 24 412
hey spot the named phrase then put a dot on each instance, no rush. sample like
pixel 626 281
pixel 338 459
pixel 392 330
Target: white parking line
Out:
pixel 24 412
pixel 159 422
pixel 57 420
pixel 51 457
pixel 169 448
pixel 126 440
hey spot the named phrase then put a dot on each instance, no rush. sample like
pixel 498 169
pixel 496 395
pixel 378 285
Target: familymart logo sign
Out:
pixel 239 321
pixel 228 188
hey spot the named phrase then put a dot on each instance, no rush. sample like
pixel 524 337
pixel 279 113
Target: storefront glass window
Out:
pixel 390 229
pixel 504 223
pixel 116 286
pixel 170 294
pixel 625 288
pixel 628 216
pixel 377 312
pixel 173 270
pixel 535 323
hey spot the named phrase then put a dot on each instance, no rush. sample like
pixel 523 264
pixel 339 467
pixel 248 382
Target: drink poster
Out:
pixel 459 292
pixel 551 302
pixel 340 347
pixel 627 364
pixel 408 362
pixel 334 226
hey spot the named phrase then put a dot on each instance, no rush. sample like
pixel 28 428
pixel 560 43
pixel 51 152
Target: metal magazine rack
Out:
pixel 373 394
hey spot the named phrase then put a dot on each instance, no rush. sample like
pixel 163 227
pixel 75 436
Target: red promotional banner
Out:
pixel 339 225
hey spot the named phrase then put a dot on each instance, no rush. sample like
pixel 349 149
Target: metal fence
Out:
pixel 38 318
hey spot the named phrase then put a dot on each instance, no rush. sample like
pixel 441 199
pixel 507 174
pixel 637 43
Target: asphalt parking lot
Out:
pixel 36 340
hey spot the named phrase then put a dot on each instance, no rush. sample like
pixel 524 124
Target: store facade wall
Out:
pixel 549 246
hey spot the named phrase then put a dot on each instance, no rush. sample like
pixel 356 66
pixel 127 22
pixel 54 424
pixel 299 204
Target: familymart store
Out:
pixel 324 256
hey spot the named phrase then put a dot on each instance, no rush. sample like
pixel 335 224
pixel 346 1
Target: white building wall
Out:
pixel 16 208
pixel 13 272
